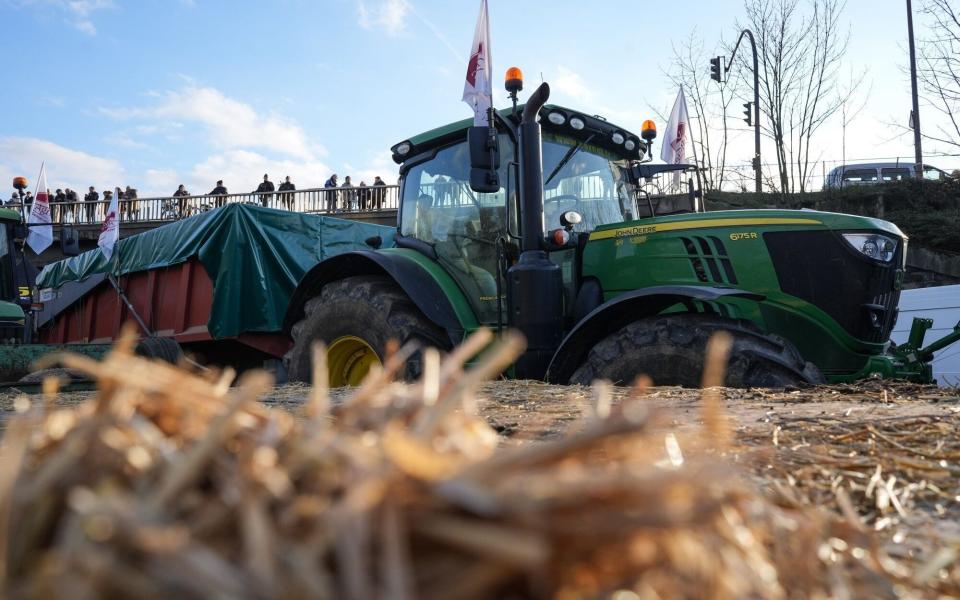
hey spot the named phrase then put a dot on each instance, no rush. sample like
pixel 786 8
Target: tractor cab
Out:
pixel 16 276
pixel 590 167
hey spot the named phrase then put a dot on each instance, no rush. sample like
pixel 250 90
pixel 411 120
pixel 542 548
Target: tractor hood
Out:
pixel 794 219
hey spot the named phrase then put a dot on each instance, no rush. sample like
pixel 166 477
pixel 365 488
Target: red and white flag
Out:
pixel 675 137
pixel 40 235
pixel 110 230
pixel 477 90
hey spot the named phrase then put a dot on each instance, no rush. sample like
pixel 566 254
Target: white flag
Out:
pixel 673 151
pixel 110 230
pixel 675 137
pixel 41 231
pixel 477 90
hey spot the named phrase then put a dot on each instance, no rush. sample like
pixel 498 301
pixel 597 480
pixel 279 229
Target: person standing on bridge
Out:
pixel 71 205
pixel 331 184
pixel 363 195
pixel 266 186
pixel 181 193
pixel 348 195
pixel 220 191
pixel 287 198
pixel 378 194
pixel 132 204
pixel 58 206
pixel 107 199
pixel 90 203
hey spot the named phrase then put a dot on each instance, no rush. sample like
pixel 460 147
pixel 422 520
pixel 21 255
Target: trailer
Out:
pixel 217 284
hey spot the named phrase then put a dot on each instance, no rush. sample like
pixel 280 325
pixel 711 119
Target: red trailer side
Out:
pixel 172 302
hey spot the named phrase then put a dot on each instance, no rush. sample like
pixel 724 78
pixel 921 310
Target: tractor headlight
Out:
pixel 577 123
pixel 876 246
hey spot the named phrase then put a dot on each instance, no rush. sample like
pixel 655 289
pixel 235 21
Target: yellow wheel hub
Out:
pixel 349 359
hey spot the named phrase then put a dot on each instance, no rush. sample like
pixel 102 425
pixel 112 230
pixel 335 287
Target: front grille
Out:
pixel 821 268
pixel 708 257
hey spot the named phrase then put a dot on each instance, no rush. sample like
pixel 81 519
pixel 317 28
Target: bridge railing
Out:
pixel 331 201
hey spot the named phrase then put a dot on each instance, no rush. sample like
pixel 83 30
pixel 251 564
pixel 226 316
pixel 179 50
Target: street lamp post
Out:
pixel 715 74
pixel 915 121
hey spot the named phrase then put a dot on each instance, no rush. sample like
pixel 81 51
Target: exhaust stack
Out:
pixel 535 284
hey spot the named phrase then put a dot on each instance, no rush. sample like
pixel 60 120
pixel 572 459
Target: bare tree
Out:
pixel 938 69
pixel 707 103
pixel 800 51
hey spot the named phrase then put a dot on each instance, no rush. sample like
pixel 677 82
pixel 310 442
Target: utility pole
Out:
pixel 915 121
pixel 715 75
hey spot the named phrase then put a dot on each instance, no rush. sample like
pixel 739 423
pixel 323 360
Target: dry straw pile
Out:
pixel 175 485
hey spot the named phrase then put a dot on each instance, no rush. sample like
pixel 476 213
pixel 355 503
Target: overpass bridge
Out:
pixel 81 221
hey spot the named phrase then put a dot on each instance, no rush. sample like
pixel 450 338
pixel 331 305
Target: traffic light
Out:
pixel 715 73
pixel 748 113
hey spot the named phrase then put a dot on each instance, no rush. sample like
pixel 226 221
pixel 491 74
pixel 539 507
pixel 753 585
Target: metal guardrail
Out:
pixel 330 201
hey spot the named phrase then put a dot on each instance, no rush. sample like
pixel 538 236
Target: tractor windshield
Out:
pixel 439 208
pixel 587 179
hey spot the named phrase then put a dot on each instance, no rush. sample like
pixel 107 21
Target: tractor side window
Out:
pixel 6 262
pixel 588 180
pixel 439 208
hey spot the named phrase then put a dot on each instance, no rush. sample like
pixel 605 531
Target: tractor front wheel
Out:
pixel 671 350
pixel 356 317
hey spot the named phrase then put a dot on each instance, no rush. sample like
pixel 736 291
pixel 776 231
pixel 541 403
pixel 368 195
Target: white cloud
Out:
pixel 158 182
pixel 227 123
pixel 571 84
pixel 242 170
pixel 86 26
pixel 64 167
pixel 78 13
pixel 389 15
pixel 570 88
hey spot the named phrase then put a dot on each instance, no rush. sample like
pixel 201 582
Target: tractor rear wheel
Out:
pixel 671 350
pixel 356 317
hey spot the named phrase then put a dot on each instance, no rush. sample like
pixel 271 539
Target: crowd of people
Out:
pixel 68 207
pixel 346 197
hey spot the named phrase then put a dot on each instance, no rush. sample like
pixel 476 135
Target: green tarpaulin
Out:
pixel 254 256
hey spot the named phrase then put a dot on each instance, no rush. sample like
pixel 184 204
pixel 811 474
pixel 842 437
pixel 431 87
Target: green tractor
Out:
pixel 17 276
pixel 549 222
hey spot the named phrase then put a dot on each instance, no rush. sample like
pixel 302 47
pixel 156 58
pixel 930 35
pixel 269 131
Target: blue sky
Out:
pixel 153 93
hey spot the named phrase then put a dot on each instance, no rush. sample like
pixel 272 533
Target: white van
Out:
pixel 880 172
pixel 942 304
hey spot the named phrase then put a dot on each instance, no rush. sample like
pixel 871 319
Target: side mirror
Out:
pixel 484 160
pixel 570 218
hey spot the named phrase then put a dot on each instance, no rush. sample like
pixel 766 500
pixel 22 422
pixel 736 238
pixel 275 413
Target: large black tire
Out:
pixel 671 350
pixel 372 308
pixel 160 348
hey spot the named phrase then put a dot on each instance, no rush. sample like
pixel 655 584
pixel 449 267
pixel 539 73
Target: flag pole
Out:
pixel 696 165
pixel 23 208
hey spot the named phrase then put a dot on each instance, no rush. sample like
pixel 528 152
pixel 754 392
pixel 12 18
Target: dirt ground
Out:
pixel 889 452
